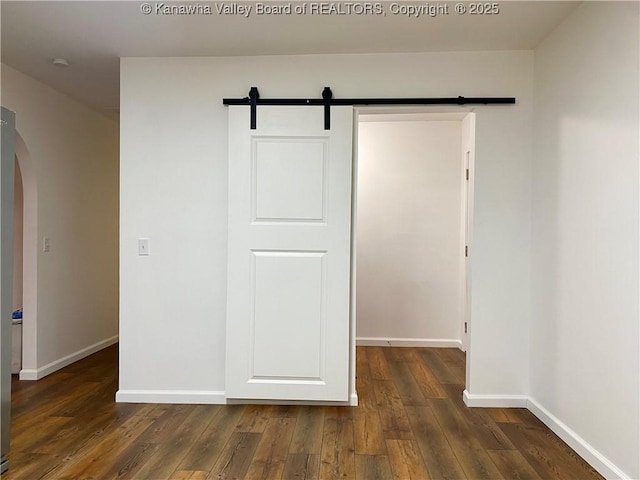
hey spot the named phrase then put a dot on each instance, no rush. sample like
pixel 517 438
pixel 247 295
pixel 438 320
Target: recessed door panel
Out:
pixel 289 176
pixel 289 315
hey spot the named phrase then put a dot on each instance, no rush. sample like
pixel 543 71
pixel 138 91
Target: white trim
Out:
pixel 594 458
pixel 496 401
pixel 28 374
pixel 203 397
pixel 416 116
pixel 354 270
pixel 408 342
pixel 468 125
pixel 206 397
pixel 37 374
pixel 249 401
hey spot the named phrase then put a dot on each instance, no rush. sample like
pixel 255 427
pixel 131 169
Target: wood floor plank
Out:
pixel 132 459
pixel 454 358
pixel 468 450
pixel 302 466
pixel 271 453
pixel 393 355
pixel 95 462
pixel 173 450
pixel 337 458
pixel 254 419
pixel 513 465
pixel 22 392
pixel 307 437
pixel 362 363
pixel 440 368
pixel 199 475
pixel 395 423
pixel 406 461
pixel 162 429
pixel 151 410
pixel 364 385
pixel 366 393
pixel 378 364
pixel 503 415
pixel 439 459
pixel 84 445
pixel 23 439
pixel 455 355
pixel 27 466
pixel 81 426
pixel 188 475
pixel 52 395
pixel 373 467
pixel 236 457
pixel 93 440
pixel 283 411
pixel 338 413
pixel 181 475
pixel 368 433
pixel 549 456
pixel 529 419
pixel 409 390
pixel 39 414
pixel 426 379
pixel 206 449
pixel 400 354
pixel 480 423
pixel 85 404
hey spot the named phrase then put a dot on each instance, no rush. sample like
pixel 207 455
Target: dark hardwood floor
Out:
pixel 411 424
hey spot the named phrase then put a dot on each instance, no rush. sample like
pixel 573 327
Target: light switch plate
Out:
pixel 46 244
pixel 143 247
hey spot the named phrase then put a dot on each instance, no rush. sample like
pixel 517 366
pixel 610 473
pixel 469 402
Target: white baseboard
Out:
pixel 496 401
pixel 28 374
pixel 37 374
pixel 594 458
pixel 408 342
pixel 196 397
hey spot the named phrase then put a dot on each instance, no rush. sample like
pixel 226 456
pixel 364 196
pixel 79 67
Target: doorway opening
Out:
pixel 413 217
pixel 16 327
pixel 28 261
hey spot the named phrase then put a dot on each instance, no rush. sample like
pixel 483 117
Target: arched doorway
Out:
pixel 29 258
pixel 18 215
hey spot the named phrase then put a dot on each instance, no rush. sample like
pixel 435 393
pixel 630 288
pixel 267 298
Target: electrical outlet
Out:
pixel 46 244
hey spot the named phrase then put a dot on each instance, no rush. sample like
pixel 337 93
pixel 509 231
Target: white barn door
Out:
pixel 289 254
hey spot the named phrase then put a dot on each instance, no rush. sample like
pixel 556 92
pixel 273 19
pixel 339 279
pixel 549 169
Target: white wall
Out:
pixel 409 238
pixel 585 329
pixel 174 191
pixel 72 156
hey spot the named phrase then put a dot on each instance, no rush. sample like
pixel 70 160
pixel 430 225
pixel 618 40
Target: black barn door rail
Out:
pixel 253 100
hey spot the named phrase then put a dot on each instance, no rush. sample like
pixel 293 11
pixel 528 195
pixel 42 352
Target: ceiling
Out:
pixel 93 35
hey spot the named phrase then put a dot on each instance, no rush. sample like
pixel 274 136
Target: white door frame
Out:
pixel 469 160
pixel 466 116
